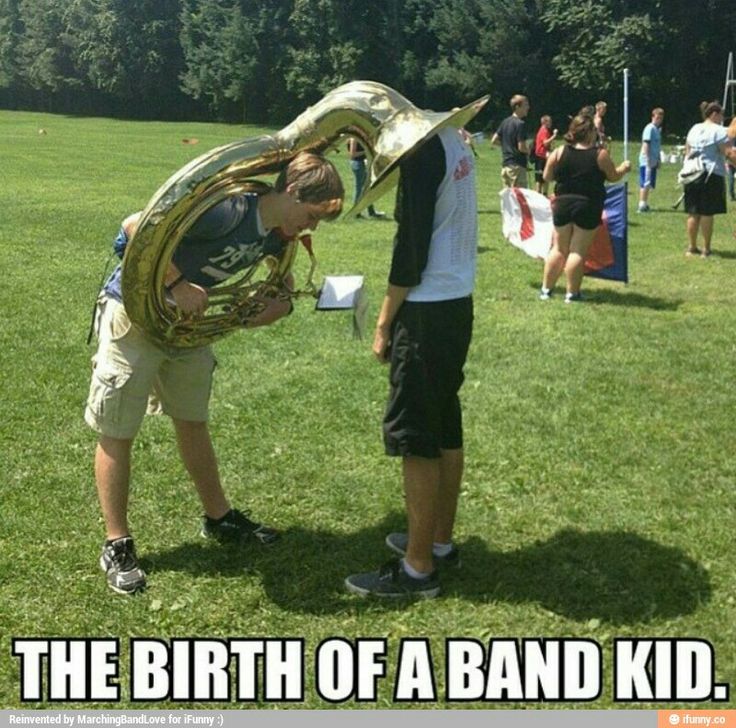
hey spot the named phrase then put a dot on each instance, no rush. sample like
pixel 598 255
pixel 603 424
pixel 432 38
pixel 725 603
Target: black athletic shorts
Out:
pixel 539 165
pixel 429 345
pixel 577 209
pixel 706 198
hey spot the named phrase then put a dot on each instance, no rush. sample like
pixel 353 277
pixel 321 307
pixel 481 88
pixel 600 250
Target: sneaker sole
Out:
pixel 126 592
pixel 359 591
pixel 241 539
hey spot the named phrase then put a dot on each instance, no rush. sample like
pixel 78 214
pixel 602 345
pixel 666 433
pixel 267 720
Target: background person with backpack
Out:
pixel 707 197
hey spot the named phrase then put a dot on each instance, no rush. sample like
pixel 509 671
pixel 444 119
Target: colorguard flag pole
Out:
pixel 626 113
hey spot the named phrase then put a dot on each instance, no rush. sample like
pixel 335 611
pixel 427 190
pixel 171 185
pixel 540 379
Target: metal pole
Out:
pixel 729 77
pixel 626 113
pixel 730 81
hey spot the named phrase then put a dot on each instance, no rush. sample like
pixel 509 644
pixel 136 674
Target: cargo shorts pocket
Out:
pixel 119 323
pixel 106 394
pixel 111 319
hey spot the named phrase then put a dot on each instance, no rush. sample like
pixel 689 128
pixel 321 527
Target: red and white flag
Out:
pixel 527 220
pixel 527 224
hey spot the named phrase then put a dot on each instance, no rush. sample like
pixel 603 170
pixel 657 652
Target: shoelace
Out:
pixel 124 559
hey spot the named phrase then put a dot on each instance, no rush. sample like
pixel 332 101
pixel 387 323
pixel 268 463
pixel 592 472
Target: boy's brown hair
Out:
pixel 315 180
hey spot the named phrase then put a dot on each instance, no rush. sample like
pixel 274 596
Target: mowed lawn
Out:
pixel 598 499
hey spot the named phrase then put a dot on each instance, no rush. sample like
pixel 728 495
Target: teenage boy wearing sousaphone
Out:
pixel 129 366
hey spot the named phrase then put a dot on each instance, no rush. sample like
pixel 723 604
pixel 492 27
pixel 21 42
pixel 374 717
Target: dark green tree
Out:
pixel 325 47
pixel 487 46
pixel 687 64
pixel 221 53
pixel 675 51
pixel 597 39
pixel 44 60
pixel 128 51
pixel 335 41
pixel 264 60
pixel 10 29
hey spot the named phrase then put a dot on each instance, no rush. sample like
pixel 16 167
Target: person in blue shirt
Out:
pixel 129 367
pixel 649 157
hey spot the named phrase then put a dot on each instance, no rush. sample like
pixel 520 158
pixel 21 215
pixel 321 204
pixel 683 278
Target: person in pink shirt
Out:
pixel 542 145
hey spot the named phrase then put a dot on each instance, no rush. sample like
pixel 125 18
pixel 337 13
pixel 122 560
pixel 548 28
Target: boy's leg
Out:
pixel 198 455
pixel 421 488
pixel 124 369
pixel 112 475
pixel 451 473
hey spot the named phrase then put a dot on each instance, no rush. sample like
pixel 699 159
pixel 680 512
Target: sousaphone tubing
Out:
pixel 385 123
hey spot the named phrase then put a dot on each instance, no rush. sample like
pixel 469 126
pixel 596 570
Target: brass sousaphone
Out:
pixel 386 124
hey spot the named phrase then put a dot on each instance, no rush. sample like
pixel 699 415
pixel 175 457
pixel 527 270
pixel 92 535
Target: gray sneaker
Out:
pixel 398 542
pixel 119 561
pixel 392 582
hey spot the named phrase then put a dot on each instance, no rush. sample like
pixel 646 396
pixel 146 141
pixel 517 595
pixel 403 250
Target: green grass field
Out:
pixel 599 491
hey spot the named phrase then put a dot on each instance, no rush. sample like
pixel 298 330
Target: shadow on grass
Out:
pixel 638 300
pixel 614 576
pixel 619 298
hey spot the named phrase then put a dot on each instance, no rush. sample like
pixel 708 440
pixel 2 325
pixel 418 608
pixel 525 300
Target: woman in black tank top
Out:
pixel 578 173
pixel 580 170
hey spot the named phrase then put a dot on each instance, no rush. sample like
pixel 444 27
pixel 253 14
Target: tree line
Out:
pixel 264 61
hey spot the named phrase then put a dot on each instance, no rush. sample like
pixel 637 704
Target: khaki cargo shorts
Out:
pixel 514 176
pixel 128 369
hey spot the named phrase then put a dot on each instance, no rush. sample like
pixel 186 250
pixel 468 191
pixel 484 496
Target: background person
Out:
pixel 542 146
pixel 731 165
pixel 600 111
pixel 579 168
pixel 704 199
pixel 649 157
pixel 465 135
pixel 511 135
pixel 358 165
pixel 424 329
pixel 128 366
